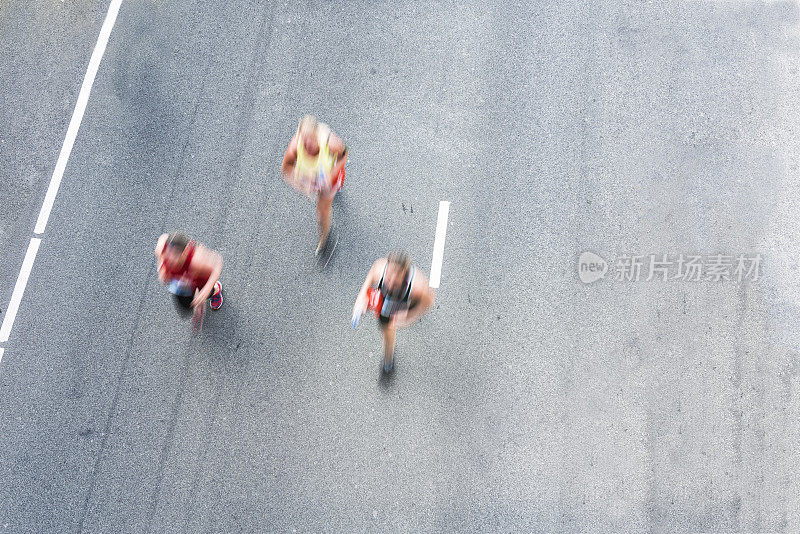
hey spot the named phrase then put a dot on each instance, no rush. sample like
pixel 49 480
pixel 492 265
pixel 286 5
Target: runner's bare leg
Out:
pixel 197 318
pixel 324 216
pixel 388 344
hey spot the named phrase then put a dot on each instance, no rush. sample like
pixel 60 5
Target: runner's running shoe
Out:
pixel 216 298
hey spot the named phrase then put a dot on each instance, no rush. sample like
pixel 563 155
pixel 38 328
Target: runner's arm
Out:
pixel 337 147
pixel 289 159
pixel 162 241
pixel 162 273
pixel 211 261
pixel 373 276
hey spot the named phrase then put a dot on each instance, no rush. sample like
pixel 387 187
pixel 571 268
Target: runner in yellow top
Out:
pixel 314 165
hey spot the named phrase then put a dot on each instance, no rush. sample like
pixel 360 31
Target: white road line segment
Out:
pixel 438 244
pixel 77 116
pixel 58 172
pixel 19 289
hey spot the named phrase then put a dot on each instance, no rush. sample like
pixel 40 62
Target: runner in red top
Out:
pixel 190 271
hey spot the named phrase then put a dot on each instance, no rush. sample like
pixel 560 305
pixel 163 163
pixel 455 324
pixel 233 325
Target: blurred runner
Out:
pixel 314 165
pixel 404 297
pixel 190 271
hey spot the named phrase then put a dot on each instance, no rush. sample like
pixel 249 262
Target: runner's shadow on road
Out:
pixel 227 336
pixel 356 248
pixel 387 383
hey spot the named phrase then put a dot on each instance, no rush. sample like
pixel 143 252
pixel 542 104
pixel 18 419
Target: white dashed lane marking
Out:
pixel 19 289
pixel 77 116
pixel 438 243
pixel 58 172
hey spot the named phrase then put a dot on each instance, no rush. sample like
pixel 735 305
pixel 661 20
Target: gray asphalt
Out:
pixel 525 401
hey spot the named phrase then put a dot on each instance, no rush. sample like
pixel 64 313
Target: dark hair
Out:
pixel 401 259
pixel 178 241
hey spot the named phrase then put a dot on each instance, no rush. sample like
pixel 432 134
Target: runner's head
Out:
pixel 175 249
pixel 396 271
pixel 308 134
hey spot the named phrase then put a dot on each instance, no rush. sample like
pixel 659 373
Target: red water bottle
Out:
pixel 374 300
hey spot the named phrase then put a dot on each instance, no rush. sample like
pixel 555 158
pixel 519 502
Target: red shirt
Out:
pixel 182 273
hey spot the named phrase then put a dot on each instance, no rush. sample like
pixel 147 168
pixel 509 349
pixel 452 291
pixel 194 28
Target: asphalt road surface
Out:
pixel 527 400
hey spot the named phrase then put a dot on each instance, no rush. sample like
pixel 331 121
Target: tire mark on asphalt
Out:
pixel 167 447
pixel 234 164
pixel 129 349
pixel 234 170
pixel 255 230
pixel 247 274
pixel 115 402
pixel 199 471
